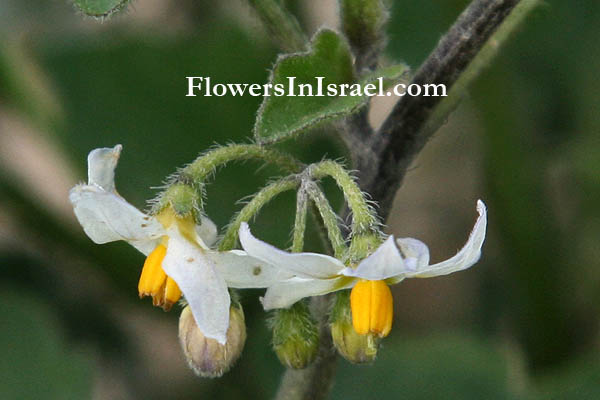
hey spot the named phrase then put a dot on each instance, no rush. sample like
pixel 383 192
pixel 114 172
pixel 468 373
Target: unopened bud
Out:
pixel 207 357
pixel 353 347
pixel 295 336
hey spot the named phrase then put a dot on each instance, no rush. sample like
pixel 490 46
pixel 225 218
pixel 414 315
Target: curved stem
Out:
pixel 265 195
pixel 364 219
pixel 197 172
pixel 329 217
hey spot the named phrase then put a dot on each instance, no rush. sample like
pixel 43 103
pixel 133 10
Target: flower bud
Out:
pixel 207 357
pixel 353 347
pixel 295 336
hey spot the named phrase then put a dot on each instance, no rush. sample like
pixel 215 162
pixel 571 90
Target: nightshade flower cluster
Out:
pixel 181 260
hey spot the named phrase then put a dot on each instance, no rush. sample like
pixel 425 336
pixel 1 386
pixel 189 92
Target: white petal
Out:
pixel 385 262
pixel 204 289
pixel 107 217
pixel 310 265
pixel 287 293
pixel 414 252
pixel 242 271
pixel 101 167
pixel 207 231
pixel 466 257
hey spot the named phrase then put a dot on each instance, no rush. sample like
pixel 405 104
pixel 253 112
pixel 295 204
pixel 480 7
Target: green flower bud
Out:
pixel 362 22
pixel 295 336
pixel 207 357
pixel 358 349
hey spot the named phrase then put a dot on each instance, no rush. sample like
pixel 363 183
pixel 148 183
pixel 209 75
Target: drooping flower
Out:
pixel 371 299
pixel 177 248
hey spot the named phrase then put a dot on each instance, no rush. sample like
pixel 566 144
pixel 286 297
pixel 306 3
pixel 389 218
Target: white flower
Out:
pixel 177 249
pixel 396 259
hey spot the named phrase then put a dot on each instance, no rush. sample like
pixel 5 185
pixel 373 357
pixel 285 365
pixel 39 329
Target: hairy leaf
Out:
pixel 100 8
pixel 328 62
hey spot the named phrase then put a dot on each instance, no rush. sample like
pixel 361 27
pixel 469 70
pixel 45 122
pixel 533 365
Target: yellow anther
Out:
pixel 153 277
pixel 172 294
pixel 155 282
pixel 372 308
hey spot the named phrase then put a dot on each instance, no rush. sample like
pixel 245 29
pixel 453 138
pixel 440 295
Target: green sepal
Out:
pixel 295 336
pixel 184 200
pixel 358 349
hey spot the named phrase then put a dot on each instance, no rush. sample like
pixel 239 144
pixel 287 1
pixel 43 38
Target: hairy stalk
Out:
pixel 300 222
pixel 329 217
pixel 197 172
pixel 364 219
pixel 280 24
pixel 252 208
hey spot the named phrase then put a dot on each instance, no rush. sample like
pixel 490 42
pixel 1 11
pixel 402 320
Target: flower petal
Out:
pixel 466 257
pixel 101 167
pixel 204 289
pixel 244 272
pixel 415 253
pixel 309 265
pixel 385 262
pixel 287 293
pixel 107 217
pixel 207 231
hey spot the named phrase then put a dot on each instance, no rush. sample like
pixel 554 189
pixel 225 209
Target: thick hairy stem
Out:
pixel 401 136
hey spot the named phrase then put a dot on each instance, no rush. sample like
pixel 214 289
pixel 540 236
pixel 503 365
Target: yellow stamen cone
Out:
pixel 153 277
pixel 372 308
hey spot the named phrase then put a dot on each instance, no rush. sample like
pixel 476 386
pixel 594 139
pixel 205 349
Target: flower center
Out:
pixel 372 308
pixel 155 282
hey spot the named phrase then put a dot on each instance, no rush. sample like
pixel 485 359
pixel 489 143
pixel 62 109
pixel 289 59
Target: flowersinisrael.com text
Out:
pixel 202 86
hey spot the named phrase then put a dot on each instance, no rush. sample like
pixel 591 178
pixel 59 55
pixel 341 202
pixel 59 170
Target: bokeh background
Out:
pixel 522 324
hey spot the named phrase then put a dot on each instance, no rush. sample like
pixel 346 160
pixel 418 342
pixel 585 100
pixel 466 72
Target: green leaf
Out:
pixel 100 8
pixel 282 117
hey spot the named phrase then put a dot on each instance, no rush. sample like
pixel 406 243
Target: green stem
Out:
pixel 364 220
pixel 253 207
pixel 300 222
pixel 329 217
pixel 196 174
pixel 205 165
pixel 280 24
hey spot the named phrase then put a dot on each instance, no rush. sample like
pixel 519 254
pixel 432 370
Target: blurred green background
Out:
pixel 522 324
